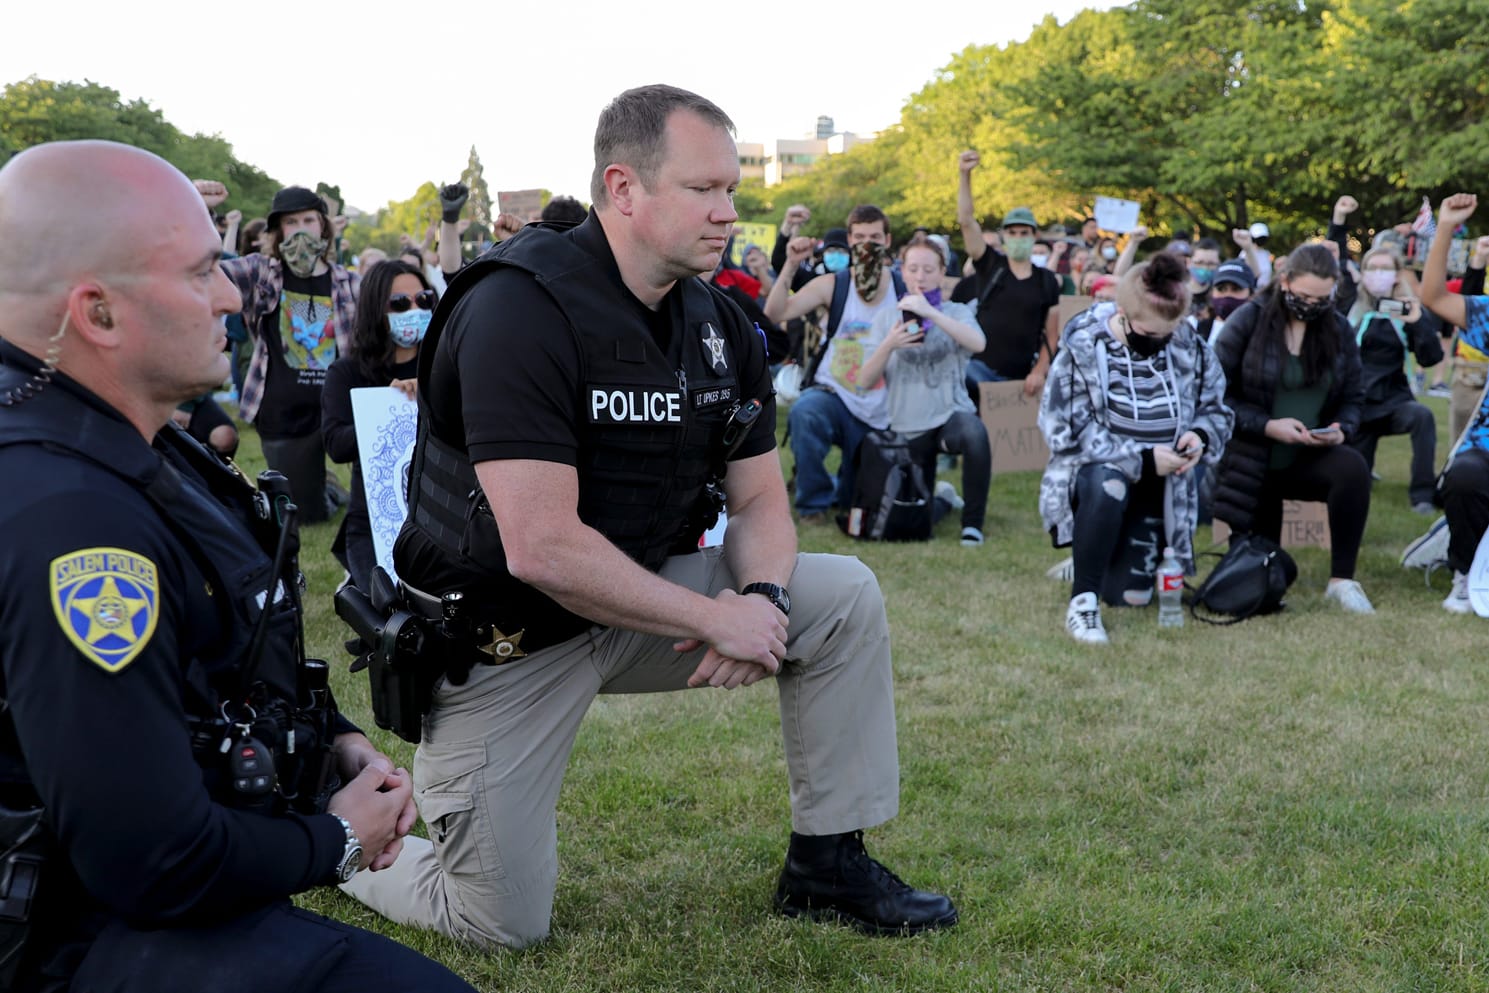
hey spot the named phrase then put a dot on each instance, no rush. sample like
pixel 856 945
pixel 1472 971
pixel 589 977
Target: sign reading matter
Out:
pixel 1305 524
pixel 1012 422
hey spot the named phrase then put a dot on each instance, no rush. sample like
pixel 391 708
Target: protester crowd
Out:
pixel 1199 379
pixel 1244 381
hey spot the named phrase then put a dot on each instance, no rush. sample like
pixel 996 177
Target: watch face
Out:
pixel 350 860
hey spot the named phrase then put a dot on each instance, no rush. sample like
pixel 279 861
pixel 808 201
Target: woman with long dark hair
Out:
pixel 1292 372
pixel 393 313
pixel 1132 405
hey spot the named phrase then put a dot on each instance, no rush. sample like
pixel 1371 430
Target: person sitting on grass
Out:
pixel 922 359
pixel 1134 402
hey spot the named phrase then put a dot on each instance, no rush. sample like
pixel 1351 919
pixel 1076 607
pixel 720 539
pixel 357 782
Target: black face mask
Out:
pixel 1145 346
pixel 1306 312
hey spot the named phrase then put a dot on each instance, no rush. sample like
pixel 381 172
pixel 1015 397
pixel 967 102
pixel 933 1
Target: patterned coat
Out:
pixel 1073 417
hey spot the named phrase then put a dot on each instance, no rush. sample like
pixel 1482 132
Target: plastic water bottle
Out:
pixel 1170 591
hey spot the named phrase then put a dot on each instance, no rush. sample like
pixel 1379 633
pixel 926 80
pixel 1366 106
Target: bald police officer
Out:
pixel 164 789
pixel 577 389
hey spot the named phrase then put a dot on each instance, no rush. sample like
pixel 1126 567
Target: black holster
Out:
pixel 391 646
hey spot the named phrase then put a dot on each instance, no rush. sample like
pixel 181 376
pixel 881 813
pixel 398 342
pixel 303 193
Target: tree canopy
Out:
pixel 1210 113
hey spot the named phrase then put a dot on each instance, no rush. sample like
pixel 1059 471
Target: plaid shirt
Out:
pixel 260 280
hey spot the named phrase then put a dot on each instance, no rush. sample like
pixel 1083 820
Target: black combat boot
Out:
pixel 831 877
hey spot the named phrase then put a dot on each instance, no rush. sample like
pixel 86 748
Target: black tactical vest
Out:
pixel 214 529
pixel 649 425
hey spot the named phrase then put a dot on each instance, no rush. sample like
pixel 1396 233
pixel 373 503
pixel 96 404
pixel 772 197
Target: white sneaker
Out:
pixel 1083 620
pixel 1062 571
pixel 971 538
pixel 1350 596
pixel 1457 601
pixel 1430 550
pixel 945 491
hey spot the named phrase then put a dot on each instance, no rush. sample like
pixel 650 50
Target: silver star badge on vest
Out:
pixel 713 349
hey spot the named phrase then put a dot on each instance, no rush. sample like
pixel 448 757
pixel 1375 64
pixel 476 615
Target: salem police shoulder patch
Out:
pixel 107 601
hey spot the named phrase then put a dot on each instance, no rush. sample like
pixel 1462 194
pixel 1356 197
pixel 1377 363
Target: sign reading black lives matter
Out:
pixel 1012 422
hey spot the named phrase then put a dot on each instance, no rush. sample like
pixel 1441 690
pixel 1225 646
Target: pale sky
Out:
pixel 412 86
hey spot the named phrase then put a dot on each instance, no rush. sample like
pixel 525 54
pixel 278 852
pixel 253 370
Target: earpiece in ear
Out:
pixel 102 316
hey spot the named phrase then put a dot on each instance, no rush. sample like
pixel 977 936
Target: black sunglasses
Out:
pixel 398 303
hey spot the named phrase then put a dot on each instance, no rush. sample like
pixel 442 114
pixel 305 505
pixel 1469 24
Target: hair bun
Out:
pixel 1164 269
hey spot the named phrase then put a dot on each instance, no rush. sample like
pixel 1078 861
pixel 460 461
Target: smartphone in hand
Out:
pixel 1323 432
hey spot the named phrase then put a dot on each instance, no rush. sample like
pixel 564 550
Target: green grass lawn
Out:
pixel 1294 803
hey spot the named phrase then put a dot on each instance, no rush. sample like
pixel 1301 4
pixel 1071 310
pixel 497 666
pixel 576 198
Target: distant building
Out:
pixel 793 156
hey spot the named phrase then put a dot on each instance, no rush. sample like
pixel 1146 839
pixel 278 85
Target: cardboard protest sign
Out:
pixel 1012 422
pixel 1305 524
pixel 1070 307
pixel 526 204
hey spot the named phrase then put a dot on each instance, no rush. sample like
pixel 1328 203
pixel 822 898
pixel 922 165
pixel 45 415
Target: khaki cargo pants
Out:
pixel 488 773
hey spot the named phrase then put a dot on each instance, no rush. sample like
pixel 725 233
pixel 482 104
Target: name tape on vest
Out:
pixel 629 405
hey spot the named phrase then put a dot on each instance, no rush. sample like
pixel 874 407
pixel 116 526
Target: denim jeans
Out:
pixel 818 421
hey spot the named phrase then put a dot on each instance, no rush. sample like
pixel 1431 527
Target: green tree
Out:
pixel 478 207
pixel 34 111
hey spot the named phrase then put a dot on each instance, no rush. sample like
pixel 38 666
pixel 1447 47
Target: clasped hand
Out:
pixel 749 644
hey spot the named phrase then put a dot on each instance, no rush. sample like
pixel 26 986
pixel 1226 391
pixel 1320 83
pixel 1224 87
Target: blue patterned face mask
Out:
pixel 407 329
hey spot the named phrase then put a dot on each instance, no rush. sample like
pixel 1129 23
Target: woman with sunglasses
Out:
pixel 393 312
pixel 1292 372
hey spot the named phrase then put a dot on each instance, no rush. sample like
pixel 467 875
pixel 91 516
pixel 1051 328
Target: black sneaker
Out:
pixel 832 878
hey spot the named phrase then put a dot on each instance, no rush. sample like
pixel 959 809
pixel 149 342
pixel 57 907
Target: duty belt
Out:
pixel 487 635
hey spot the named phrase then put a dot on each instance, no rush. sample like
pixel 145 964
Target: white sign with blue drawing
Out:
pixel 387 424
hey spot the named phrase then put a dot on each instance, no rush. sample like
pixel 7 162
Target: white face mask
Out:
pixel 1380 282
pixel 1040 261
pixel 1108 253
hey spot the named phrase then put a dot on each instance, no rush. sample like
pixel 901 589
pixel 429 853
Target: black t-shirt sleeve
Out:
pixel 519 371
pixel 106 745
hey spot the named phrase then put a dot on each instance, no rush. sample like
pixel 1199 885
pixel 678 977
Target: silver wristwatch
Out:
pixel 351 856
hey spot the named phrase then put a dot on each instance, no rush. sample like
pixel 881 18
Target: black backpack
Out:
pixel 1250 579
pixel 892 494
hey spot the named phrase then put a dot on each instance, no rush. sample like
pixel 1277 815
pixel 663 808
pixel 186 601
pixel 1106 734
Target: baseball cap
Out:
pixel 835 238
pixel 1260 230
pixel 1019 215
pixel 1236 273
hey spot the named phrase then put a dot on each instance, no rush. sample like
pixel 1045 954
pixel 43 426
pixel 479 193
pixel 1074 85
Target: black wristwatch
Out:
pixel 351 855
pixel 775 594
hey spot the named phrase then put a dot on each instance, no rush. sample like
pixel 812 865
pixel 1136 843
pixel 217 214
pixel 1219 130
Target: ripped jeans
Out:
pixel 1118 536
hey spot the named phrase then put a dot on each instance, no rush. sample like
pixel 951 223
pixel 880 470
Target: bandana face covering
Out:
pixel 868 267
pixel 300 252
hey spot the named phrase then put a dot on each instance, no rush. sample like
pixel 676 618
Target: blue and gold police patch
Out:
pixel 107 601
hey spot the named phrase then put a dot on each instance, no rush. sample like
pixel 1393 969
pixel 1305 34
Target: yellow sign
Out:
pixel 763 235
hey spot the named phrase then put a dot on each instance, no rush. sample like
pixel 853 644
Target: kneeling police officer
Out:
pixel 584 400
pixel 172 768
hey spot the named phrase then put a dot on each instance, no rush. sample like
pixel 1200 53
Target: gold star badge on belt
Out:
pixel 505 647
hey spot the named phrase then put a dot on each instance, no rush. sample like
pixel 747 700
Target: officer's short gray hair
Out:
pixel 633 131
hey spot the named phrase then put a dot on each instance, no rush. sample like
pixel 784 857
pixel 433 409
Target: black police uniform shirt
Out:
pixel 100 606
pixel 1013 314
pixel 506 373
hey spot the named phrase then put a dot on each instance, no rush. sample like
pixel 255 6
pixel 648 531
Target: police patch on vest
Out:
pixel 712 397
pixel 713 348
pixel 634 405
pixel 107 601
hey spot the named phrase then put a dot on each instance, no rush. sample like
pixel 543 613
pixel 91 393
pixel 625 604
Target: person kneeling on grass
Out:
pixel 1135 400
pixel 1464 487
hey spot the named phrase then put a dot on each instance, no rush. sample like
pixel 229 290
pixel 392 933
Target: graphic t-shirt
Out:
pixel 300 335
pixel 1476 336
pixel 855 341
